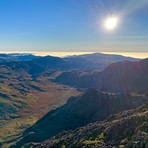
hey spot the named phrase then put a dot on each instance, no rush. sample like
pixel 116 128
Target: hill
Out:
pixel 96 60
pixel 117 77
pixel 16 57
pixel 79 111
pixel 52 62
pixel 128 129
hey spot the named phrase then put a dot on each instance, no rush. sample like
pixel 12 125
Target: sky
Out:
pixel 73 26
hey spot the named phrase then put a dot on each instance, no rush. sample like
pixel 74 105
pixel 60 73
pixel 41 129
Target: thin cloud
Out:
pixel 16 34
pixel 131 37
pixel 132 6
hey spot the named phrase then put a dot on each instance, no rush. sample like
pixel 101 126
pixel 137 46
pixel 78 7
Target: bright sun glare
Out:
pixel 111 23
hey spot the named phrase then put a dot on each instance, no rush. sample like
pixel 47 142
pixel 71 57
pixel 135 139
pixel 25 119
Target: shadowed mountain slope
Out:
pixel 128 129
pixel 79 111
pixel 117 77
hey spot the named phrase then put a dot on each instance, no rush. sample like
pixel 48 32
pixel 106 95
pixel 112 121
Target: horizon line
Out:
pixel 64 54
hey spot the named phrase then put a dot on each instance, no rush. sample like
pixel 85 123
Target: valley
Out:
pixel 48 95
pixel 24 98
pixel 74 74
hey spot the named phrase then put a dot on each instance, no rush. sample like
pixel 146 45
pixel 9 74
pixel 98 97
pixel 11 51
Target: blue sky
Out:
pixel 72 25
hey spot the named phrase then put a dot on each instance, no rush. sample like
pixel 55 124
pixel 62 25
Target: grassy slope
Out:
pixel 25 98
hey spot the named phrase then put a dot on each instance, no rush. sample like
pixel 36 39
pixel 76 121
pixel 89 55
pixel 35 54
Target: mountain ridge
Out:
pixel 126 129
pixel 95 60
pixel 117 77
pixel 4 58
pixel 79 111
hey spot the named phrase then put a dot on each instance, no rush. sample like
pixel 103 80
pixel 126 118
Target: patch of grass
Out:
pixel 13 130
pixel 98 140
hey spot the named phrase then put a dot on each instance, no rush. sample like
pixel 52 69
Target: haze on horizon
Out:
pixel 73 26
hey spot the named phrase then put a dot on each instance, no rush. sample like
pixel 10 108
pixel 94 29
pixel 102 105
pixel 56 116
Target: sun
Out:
pixel 111 23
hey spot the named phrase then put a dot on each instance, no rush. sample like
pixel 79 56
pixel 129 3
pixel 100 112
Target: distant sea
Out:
pixel 63 54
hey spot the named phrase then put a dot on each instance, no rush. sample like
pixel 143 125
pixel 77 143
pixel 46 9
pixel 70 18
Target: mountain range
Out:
pixel 43 91
pixel 96 60
pixel 88 61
